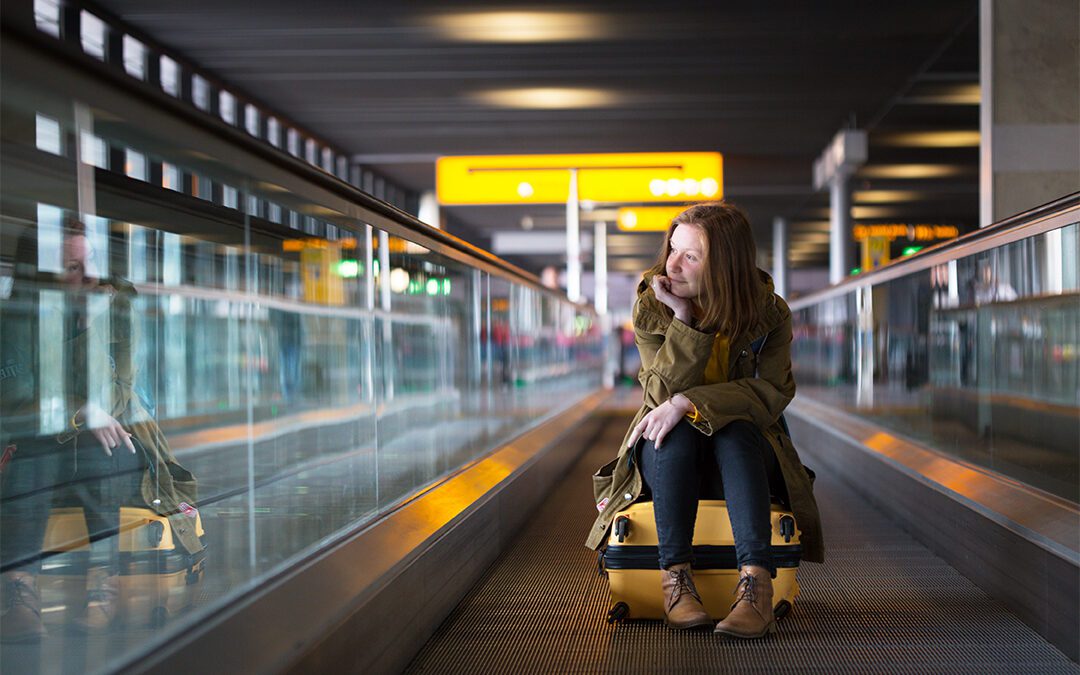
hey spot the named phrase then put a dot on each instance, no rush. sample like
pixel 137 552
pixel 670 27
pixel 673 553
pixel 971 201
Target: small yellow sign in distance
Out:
pixel 919 232
pixel 606 178
pixel 647 218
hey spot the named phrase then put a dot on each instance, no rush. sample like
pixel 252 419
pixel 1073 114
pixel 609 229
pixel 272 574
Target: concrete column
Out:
pixel 780 255
pixel 573 241
pixel 1030 113
pixel 840 241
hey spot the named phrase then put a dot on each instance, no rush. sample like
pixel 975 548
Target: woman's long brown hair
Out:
pixel 728 302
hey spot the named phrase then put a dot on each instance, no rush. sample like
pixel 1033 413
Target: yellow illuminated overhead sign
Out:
pixel 610 177
pixel 909 232
pixel 647 218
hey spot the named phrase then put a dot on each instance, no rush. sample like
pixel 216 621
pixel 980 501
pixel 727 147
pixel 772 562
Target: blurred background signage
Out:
pixel 608 177
pixel 909 232
pixel 647 218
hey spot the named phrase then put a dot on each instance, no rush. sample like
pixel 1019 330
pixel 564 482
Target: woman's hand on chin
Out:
pixel 661 286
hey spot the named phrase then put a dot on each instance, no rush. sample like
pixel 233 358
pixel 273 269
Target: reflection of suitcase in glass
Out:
pixel 158 578
pixel 631 561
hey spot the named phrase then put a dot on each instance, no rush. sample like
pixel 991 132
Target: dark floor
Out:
pixel 882 604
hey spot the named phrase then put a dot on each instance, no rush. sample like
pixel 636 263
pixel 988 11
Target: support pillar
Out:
pixel 780 255
pixel 600 267
pixel 837 163
pixel 600 274
pixel 573 241
pixel 840 238
pixel 1029 118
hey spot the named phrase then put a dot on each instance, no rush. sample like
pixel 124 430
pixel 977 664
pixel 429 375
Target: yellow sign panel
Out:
pixel 610 177
pixel 875 252
pixel 647 218
pixel 318 265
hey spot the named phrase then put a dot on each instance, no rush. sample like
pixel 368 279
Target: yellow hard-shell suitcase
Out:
pixel 631 561
pixel 158 578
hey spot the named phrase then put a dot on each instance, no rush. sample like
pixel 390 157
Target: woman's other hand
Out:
pixel 659 421
pixel 108 432
pixel 661 286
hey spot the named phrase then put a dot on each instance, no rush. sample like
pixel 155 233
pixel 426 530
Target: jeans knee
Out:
pixel 739 437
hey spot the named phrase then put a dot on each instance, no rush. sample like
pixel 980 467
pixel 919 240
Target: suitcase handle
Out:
pixel 622 528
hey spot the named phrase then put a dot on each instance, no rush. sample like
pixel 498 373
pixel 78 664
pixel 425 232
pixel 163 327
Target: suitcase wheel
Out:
pixel 155 532
pixel 781 609
pixel 622 528
pixel 619 612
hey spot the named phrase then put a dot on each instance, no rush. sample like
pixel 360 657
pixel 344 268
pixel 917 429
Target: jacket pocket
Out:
pixel 602 479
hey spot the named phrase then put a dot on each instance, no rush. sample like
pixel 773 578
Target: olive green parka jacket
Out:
pixel 166 487
pixel 759 387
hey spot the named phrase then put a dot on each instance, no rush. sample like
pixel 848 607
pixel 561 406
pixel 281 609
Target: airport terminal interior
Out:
pixel 318 348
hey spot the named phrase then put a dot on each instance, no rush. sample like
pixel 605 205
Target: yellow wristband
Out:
pixel 693 415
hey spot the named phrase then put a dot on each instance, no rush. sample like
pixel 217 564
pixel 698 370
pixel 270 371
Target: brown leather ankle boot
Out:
pixel 752 614
pixel 20 620
pixel 102 602
pixel 682 604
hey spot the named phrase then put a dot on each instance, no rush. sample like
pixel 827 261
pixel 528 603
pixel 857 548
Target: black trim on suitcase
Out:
pixel 131 562
pixel 705 557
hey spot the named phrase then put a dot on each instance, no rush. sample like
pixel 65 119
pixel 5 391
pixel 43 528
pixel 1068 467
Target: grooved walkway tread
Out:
pixel 883 603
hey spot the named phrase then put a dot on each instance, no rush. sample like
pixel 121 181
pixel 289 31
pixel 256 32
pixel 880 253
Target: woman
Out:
pixel 711 401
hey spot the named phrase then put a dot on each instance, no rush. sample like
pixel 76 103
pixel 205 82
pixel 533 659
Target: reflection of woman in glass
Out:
pixel 74 431
pixel 988 288
pixel 712 399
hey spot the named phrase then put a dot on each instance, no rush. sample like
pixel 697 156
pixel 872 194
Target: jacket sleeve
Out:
pixel 760 399
pixel 671 362
pixel 122 350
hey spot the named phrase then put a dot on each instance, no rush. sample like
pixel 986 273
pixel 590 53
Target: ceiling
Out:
pixel 398 84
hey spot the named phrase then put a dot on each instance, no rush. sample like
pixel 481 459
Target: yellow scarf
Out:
pixel 716 370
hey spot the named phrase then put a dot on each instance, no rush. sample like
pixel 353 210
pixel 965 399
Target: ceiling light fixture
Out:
pixel 548 98
pixel 911 171
pixel 956 94
pixel 885 196
pixel 862 212
pixel 930 139
pixel 524 26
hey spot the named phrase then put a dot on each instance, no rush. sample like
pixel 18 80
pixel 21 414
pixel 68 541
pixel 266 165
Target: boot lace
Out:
pixel 99 595
pixel 18 592
pixel 102 592
pixel 684 585
pixel 746 590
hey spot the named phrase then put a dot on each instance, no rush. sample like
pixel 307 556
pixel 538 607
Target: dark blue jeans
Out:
pixel 684 469
pixel 43 474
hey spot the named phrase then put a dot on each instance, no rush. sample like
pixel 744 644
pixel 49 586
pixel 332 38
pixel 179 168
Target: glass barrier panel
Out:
pixel 196 389
pixel 976 357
